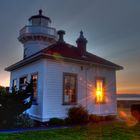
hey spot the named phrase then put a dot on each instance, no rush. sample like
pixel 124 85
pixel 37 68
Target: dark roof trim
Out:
pixel 38 16
pixel 72 52
pixel 43 55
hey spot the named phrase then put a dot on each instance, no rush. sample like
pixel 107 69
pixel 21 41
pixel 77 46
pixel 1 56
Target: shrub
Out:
pixel 110 117
pixel 135 107
pixel 2 90
pixel 94 118
pixel 78 115
pixel 98 118
pixel 40 124
pixel 12 105
pixel 68 121
pixel 135 111
pixel 56 122
pixel 24 121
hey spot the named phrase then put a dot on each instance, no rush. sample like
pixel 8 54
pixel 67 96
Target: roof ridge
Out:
pixel 67 50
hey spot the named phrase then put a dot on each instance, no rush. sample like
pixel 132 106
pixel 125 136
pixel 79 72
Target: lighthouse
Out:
pixel 61 73
pixel 37 35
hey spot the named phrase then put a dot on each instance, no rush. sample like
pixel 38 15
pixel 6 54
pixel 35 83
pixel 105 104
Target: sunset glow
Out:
pixel 115 39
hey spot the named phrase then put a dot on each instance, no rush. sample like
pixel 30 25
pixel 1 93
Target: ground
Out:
pixel 100 131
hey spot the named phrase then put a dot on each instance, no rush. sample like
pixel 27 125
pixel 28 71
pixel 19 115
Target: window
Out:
pixel 100 91
pixel 36 21
pixel 25 52
pixel 70 88
pixel 14 84
pixel 22 83
pixel 34 78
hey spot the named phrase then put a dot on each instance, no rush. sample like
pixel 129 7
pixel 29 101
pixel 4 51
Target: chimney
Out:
pixel 81 44
pixel 61 36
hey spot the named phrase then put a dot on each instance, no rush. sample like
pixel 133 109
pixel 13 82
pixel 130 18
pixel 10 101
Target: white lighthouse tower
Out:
pixel 37 35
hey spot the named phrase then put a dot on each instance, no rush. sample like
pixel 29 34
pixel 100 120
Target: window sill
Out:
pixel 101 103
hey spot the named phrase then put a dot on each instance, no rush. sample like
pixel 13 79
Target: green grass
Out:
pixel 106 131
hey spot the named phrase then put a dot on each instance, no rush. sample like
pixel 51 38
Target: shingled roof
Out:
pixel 68 52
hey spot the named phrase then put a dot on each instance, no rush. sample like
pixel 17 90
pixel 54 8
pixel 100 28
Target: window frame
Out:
pixel 104 91
pixel 76 91
pixel 13 82
pixel 14 86
pixel 26 75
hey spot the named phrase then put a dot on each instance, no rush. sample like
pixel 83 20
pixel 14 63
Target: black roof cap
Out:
pixel 39 16
pixel 81 38
pixel 61 34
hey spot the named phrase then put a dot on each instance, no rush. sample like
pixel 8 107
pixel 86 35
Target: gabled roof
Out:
pixel 66 52
pixel 70 51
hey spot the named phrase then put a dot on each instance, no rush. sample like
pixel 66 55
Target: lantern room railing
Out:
pixel 38 30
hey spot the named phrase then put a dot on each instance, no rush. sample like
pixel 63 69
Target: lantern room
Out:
pixel 39 20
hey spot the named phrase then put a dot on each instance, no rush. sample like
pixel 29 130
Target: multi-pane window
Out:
pixel 100 90
pixel 23 83
pixel 14 84
pixel 70 88
pixel 34 78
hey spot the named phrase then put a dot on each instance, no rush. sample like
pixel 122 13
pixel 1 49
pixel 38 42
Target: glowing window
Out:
pixel 70 86
pixel 34 78
pixel 100 91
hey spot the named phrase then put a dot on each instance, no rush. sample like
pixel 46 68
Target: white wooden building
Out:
pixel 64 75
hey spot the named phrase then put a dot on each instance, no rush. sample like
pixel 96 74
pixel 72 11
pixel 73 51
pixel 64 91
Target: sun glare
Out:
pixel 99 91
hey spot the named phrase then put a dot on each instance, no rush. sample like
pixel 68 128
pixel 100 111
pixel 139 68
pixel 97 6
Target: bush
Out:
pixel 110 117
pixel 24 121
pixel 77 115
pixel 135 111
pixel 40 124
pixel 98 118
pixel 12 105
pixel 2 90
pixel 68 121
pixel 56 122
pixel 135 107
pixel 94 118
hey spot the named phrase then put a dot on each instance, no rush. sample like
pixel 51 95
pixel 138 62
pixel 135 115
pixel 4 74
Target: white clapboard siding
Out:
pixel 52 98
pixel 36 110
pixel 50 88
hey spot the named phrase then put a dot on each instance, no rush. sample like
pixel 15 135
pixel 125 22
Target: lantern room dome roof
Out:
pixel 39 16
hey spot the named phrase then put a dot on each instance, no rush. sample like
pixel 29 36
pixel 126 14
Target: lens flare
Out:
pixel 99 91
pixel 128 118
pixel 58 57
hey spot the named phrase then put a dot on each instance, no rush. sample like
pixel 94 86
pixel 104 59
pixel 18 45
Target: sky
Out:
pixel 112 28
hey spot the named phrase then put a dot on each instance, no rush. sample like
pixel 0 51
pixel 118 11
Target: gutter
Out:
pixel 48 56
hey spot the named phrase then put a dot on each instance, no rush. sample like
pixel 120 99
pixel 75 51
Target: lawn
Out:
pixel 100 131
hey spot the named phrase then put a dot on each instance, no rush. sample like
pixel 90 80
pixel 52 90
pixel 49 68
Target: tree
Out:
pixel 14 104
pixel 2 90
